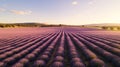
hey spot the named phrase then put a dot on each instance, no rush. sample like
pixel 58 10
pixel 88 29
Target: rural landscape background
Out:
pixel 59 33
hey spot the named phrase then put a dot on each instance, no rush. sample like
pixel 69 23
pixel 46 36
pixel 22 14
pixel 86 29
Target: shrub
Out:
pixel 18 65
pixel 59 58
pixel 57 64
pixel 78 64
pixel 39 63
pixel 97 63
pixel 2 64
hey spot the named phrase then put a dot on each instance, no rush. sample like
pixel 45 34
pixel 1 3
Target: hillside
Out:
pixel 105 26
pixel 28 24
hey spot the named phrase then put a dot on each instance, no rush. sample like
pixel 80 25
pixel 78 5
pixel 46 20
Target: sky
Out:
pixel 71 12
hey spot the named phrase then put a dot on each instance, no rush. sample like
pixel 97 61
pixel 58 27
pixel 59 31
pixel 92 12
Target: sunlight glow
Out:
pixel 74 3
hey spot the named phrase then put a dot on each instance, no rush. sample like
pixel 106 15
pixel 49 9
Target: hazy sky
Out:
pixel 60 11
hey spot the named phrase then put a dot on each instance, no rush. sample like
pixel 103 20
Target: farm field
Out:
pixel 59 47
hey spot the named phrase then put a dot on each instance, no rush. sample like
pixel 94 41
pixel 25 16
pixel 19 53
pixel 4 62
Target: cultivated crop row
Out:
pixel 66 47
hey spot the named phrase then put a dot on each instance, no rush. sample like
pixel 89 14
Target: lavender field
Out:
pixel 59 47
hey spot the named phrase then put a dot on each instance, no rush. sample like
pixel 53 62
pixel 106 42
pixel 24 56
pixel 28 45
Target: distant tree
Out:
pixel 118 28
pixel 83 26
pixel 1 26
pixel 111 28
pixel 104 27
pixel 60 25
